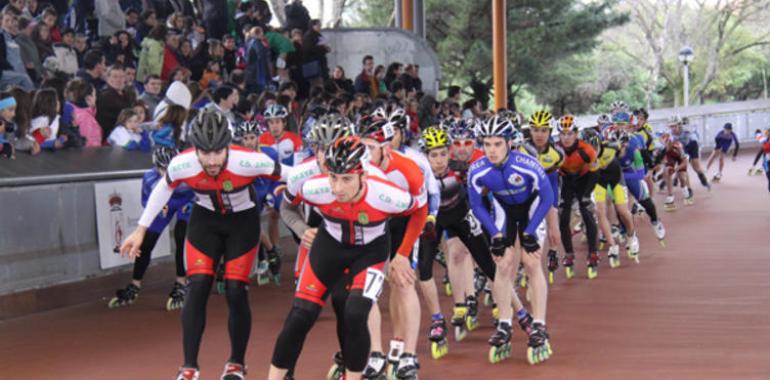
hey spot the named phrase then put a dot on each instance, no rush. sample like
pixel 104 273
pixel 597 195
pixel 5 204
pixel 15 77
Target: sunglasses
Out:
pixel 462 143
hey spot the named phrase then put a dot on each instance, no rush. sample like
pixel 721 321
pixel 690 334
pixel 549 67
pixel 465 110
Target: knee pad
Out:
pixel 301 318
pixel 236 291
pixel 357 312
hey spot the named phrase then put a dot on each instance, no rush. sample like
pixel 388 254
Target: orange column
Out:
pixel 499 46
pixel 407 19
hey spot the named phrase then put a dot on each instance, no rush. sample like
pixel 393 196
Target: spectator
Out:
pixel 148 22
pixel 140 109
pixel 198 35
pixel 7 113
pixel 407 78
pixel 472 109
pixel 215 17
pixel 6 149
pixel 379 76
pixel 170 130
pixel 50 18
pixel 151 96
pixel 229 57
pixel 14 72
pixel 113 98
pixel 34 8
pixel 397 92
pixel 152 54
pixel 16 121
pixel 121 49
pixel 132 22
pixel 343 84
pixel 93 68
pixel 280 47
pixel 427 114
pixel 65 52
pixel 257 61
pixel 416 81
pixel 366 83
pixel 85 114
pixel 294 63
pixel 81 47
pixel 453 94
pixel 177 22
pixel 42 37
pixel 185 53
pixel 297 16
pixel 315 47
pixel 111 17
pixel 225 98
pixel 394 71
pixel 131 83
pixel 211 77
pixel 45 120
pixel 28 50
pixel 128 133
pixel 170 61
pixel 262 13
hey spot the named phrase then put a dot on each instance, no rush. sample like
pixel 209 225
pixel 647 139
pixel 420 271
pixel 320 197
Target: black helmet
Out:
pixel 247 127
pixel 210 131
pixel 346 155
pixel 380 130
pixel 162 155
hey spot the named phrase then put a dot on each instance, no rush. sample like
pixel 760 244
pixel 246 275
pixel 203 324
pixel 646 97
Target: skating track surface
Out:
pixel 697 309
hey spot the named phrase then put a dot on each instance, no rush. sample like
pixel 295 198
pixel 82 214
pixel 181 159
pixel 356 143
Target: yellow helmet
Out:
pixel 433 138
pixel 567 123
pixel 540 119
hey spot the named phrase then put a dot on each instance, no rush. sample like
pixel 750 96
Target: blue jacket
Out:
pixel 164 136
pixel 631 161
pixel 512 183
pixel 179 204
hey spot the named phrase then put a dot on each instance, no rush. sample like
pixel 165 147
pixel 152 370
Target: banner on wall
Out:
pixel 118 208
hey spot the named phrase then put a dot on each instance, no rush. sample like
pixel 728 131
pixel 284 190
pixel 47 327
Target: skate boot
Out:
pixel 669 204
pixel 717 178
pixel 187 374
pixel 407 367
pixel 441 258
pixel 176 297
pixel 274 264
pixel 539 349
pixel 617 233
pixel 479 282
pixel 660 232
pixel 613 256
pixel 689 199
pixel 234 371
pixel 637 209
pixel 447 285
pixel 525 322
pixel 376 366
pixel 495 315
pixel 553 264
pixel 459 315
pixel 439 346
pixel 472 320
pixel 125 296
pixel 500 343
pixel 488 299
pixel 569 265
pixel 593 265
pixel 602 241
pixel 521 276
pixel 263 272
pixel 337 371
pixel 633 248
pixel 394 355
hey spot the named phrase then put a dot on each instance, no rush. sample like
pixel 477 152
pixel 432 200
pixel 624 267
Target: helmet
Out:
pixel 460 130
pixel 433 138
pixel 247 127
pixel 275 111
pixel 512 116
pixel 210 131
pixel 540 119
pixel 346 155
pixel 380 113
pixel 591 137
pixel 603 119
pixel 675 120
pixel 162 155
pixel 618 106
pixel 328 129
pixel 621 117
pixel 495 126
pixel 567 123
pixel 380 130
pixel 642 112
pixel 398 118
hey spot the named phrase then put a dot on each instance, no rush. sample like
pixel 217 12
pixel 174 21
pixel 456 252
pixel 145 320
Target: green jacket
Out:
pixel 279 44
pixel 150 59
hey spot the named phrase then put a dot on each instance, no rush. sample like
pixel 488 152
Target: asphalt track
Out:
pixel 697 309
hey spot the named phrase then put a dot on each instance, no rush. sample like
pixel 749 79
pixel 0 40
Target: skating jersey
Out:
pixel 178 205
pixel 551 160
pixel 579 159
pixel 405 174
pixel 230 191
pixel 434 195
pixel 725 139
pixel 519 178
pixel 286 146
pixel 360 222
pixel 460 167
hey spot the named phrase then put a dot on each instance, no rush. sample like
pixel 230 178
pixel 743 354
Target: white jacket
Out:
pixel 68 59
pixel 111 17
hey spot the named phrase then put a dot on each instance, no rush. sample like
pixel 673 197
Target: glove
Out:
pixel 529 243
pixel 429 231
pixel 497 246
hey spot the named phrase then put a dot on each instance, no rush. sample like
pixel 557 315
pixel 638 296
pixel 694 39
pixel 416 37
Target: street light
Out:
pixel 686 55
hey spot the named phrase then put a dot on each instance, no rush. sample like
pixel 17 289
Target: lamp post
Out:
pixel 686 56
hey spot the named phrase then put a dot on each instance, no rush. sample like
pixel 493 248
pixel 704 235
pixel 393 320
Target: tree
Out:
pixel 279 11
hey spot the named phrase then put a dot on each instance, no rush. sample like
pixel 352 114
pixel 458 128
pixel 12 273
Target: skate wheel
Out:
pixel 592 273
pixel 460 333
pixel 550 277
pixel 662 243
pixel 523 281
pixel 171 305
pixel 439 349
pixel 448 289
pixel 569 272
pixel 261 280
pixel 601 246
pixel 471 323
pixel 114 303
pixel 335 372
pixel 614 262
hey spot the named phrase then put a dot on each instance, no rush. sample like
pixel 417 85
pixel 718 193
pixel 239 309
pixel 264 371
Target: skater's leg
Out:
pixel 502 288
pixel 721 161
pixel 272 226
pixel 534 269
pixel 600 194
pixel 239 322
pixel 194 317
pixel 375 332
pixel 180 230
pixel 712 156
pixel 143 261
pixel 409 314
pixel 428 250
pixel 339 299
pixel 288 346
pixel 457 266
pixel 357 340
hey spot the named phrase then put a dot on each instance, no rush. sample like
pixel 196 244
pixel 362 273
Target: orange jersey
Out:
pixel 579 159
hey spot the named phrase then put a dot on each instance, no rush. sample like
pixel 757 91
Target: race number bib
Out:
pixel 373 284
pixel 473 223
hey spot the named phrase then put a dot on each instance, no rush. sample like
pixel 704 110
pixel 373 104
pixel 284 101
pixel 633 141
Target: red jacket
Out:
pixel 169 64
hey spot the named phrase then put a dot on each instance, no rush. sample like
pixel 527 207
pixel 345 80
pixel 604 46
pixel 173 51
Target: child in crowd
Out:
pixel 45 120
pixel 171 124
pixel 128 133
pixel 85 114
